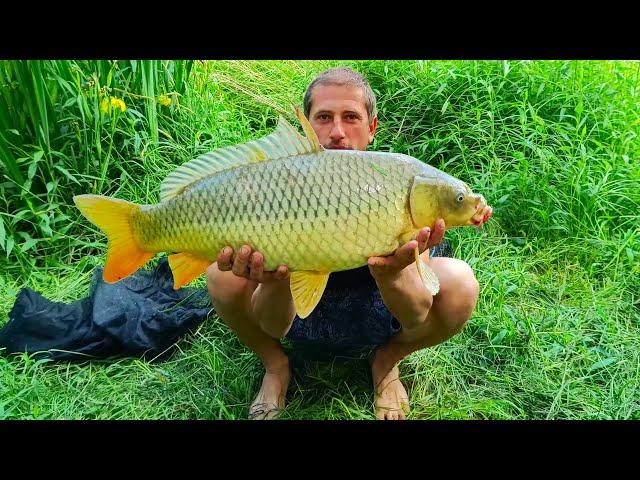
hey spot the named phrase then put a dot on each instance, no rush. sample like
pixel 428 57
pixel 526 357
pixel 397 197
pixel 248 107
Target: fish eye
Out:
pixel 460 197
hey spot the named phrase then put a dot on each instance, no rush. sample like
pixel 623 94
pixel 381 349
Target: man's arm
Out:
pixel 397 277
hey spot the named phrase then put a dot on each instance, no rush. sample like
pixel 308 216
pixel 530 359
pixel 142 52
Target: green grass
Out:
pixel 552 145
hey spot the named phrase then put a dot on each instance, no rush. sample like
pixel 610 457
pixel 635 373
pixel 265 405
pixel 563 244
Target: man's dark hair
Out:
pixel 343 76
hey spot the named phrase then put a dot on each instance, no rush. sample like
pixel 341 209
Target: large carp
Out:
pixel 317 211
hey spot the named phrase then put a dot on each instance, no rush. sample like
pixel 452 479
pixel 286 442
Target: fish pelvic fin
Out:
pixel 307 289
pixel 113 217
pixel 428 276
pixel 186 267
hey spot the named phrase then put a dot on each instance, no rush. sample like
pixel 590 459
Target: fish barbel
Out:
pixel 317 211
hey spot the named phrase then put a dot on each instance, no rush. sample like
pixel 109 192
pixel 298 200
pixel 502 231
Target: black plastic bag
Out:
pixel 139 316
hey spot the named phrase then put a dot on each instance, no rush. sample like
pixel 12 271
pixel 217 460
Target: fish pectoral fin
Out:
pixel 186 267
pixel 428 276
pixel 307 289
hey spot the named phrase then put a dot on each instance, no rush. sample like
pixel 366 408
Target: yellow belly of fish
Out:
pixel 318 244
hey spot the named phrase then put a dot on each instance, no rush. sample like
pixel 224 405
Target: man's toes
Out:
pixel 264 413
pixel 272 414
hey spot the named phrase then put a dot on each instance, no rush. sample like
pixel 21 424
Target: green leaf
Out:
pixel 444 107
pixel 44 225
pixel 496 340
pixel 510 289
pixel 10 163
pixel 67 174
pixel 603 363
pixel 28 245
pixel 10 244
pixel 2 233
pixel 69 102
pixel 32 170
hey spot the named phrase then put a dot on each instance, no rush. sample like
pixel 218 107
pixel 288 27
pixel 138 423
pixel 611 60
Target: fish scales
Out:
pixel 345 205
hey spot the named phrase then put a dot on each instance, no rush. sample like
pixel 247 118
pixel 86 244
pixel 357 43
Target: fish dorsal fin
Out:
pixel 284 142
pixel 308 129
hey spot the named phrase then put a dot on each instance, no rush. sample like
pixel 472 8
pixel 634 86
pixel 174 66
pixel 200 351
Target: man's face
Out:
pixel 339 117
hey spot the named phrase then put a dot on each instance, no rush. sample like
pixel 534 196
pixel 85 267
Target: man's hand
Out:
pixel 249 263
pixel 390 266
pixel 401 288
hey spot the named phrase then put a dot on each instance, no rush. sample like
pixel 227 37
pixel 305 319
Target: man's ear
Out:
pixel 372 128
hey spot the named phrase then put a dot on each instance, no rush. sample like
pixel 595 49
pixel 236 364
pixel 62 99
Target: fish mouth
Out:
pixel 478 218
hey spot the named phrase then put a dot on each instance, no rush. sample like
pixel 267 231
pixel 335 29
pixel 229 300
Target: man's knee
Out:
pixel 461 289
pixel 467 290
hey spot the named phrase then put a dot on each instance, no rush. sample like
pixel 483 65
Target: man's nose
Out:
pixel 337 132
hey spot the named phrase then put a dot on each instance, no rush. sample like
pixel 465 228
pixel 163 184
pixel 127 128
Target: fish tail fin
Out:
pixel 113 217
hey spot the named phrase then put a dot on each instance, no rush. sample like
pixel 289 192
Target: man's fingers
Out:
pixel 224 259
pixel 282 272
pixel 437 234
pixel 256 266
pixel 241 261
pixel 402 257
pixel 380 262
pixel 405 254
pixel 423 238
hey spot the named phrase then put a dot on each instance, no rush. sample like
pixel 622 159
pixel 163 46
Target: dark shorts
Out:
pixel 351 314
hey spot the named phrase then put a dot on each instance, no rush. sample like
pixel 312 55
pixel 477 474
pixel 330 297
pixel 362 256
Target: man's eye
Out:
pixel 323 117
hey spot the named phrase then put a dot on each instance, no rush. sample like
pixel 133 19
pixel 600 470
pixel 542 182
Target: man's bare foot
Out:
pixel 271 398
pixel 392 401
